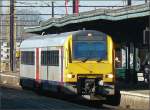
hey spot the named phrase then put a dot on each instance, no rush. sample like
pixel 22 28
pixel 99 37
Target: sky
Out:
pixel 58 10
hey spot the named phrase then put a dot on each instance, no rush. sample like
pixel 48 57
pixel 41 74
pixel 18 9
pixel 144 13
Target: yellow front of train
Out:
pixel 88 63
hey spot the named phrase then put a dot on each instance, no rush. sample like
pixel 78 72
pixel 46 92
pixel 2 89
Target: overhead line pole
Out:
pixel 129 2
pixel 0 33
pixel 75 6
pixel 52 9
pixel 12 35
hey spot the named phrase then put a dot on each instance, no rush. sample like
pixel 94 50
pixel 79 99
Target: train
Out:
pixel 78 62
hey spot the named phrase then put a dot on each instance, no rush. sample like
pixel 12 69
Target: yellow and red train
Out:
pixel 80 62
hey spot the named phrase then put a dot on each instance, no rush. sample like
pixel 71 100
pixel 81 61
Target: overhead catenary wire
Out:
pixel 71 0
pixel 64 6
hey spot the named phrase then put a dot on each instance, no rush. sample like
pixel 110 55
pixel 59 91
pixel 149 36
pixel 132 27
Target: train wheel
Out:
pixel 21 84
pixel 38 88
pixel 23 87
pixel 115 99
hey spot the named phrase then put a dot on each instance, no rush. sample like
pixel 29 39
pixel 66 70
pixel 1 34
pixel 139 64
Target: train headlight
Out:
pixel 109 76
pixel 101 83
pixel 70 76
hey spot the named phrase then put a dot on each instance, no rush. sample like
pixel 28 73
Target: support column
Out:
pixel 128 73
pixel 134 76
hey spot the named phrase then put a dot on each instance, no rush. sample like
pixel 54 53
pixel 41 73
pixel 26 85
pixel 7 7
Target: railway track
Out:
pixel 13 97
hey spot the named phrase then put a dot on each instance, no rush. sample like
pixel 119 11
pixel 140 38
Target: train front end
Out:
pixel 89 65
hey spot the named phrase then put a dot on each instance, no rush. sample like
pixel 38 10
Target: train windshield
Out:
pixel 96 50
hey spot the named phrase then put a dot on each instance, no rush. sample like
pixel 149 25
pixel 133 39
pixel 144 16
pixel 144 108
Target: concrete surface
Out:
pixel 9 78
pixel 138 100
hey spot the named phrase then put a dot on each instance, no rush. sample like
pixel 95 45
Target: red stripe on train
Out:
pixel 37 64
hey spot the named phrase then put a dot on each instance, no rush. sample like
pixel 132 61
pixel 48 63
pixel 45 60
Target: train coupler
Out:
pixel 94 86
pixel 87 86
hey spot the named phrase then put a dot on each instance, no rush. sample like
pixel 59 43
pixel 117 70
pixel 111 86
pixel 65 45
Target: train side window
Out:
pixel 53 58
pixel 27 57
pixel 44 58
pixel 50 58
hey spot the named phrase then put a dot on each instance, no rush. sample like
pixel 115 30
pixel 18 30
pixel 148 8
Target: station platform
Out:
pixel 139 92
pixel 135 96
pixel 131 98
pixel 135 99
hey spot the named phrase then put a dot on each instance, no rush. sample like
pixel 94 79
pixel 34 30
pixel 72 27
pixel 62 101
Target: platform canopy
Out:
pixel 125 13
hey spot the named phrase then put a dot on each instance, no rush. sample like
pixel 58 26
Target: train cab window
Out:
pixel 50 58
pixel 27 57
pixel 90 50
pixel 89 45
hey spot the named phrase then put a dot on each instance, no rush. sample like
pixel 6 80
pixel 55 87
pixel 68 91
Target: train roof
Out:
pixel 45 40
pixel 49 40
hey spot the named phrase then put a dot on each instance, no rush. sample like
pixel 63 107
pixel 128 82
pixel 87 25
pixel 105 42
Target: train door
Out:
pixel 44 67
pixel 54 67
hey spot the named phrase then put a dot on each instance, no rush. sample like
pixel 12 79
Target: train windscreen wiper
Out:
pixel 99 59
pixel 84 59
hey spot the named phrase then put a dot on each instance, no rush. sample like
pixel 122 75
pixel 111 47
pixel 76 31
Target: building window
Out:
pixel 27 57
pixel 50 58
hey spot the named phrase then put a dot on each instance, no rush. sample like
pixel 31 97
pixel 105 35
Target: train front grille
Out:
pixel 88 84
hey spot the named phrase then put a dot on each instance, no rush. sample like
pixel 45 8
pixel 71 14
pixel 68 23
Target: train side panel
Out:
pixel 27 71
